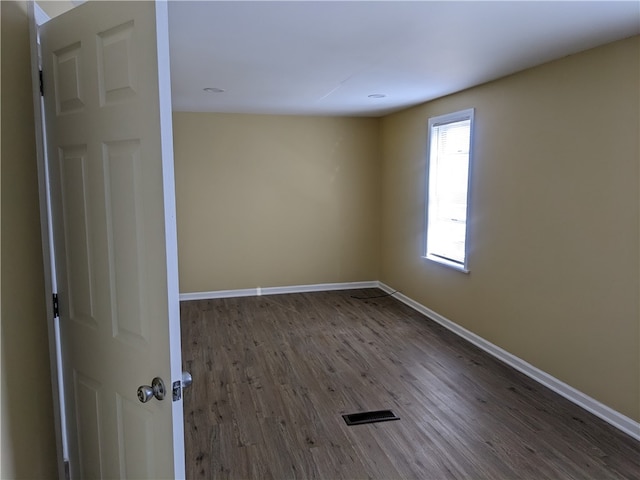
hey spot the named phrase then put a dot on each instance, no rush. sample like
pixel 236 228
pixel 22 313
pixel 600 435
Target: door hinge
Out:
pixel 41 84
pixel 56 306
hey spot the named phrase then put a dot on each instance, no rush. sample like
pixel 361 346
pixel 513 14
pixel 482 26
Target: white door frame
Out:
pixel 47 242
pixel 171 234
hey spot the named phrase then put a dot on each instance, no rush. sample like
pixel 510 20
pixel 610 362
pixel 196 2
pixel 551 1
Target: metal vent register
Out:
pixel 370 417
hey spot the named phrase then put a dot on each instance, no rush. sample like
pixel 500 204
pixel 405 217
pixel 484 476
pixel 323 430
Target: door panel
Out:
pixel 75 209
pixel 113 220
pixel 67 79
pixel 126 244
pixel 88 406
pixel 116 64
pixel 135 428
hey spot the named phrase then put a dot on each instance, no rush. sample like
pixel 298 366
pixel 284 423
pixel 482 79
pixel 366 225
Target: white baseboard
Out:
pixel 259 291
pixel 616 419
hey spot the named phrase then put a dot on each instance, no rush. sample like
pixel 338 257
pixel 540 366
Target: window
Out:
pixel 449 161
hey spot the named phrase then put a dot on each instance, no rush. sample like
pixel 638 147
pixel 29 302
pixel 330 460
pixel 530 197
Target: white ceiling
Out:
pixel 327 57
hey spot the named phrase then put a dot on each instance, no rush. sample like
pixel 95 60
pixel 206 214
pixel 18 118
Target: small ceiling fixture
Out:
pixel 377 95
pixel 213 90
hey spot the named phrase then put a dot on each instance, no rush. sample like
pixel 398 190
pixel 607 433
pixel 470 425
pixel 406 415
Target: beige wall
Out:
pixel 28 443
pixel 554 236
pixel 275 200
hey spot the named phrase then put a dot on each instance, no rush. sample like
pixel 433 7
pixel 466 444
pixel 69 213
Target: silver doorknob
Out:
pixel 146 392
pixel 187 379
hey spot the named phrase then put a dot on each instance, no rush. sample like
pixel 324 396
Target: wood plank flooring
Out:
pixel 272 376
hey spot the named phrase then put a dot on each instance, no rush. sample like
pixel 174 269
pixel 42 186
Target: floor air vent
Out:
pixel 370 417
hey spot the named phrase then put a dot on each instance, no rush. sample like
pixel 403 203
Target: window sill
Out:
pixel 446 263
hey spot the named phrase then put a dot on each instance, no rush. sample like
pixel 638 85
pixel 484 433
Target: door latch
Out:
pixel 177 386
pixel 177 390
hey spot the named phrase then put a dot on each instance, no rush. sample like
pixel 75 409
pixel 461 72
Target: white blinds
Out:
pixel 448 190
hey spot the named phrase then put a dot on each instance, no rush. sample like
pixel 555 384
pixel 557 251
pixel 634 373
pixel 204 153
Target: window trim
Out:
pixel 461 115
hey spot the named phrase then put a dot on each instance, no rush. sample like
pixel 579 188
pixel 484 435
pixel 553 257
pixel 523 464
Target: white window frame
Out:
pixel 459 116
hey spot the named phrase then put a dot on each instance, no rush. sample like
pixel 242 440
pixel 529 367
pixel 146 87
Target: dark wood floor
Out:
pixel 272 376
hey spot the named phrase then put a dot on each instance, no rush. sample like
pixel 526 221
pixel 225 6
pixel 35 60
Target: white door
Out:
pixel 110 152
